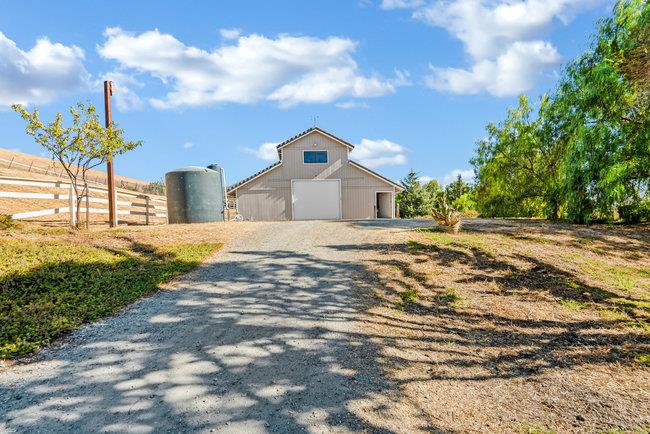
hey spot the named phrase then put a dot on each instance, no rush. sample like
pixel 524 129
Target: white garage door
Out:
pixel 316 199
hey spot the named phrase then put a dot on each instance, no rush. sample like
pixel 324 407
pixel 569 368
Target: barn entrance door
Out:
pixel 316 199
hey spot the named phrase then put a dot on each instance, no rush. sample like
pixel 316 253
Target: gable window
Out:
pixel 314 157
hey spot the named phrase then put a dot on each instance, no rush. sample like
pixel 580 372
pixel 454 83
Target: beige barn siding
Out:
pixel 268 197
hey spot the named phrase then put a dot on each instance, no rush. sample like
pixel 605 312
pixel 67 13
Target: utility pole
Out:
pixel 112 210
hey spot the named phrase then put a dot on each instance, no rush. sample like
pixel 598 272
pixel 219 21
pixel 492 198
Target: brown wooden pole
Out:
pixel 112 210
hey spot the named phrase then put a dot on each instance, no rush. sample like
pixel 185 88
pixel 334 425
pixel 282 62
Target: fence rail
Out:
pixel 152 205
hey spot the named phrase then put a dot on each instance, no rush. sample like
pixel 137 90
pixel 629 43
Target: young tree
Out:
pixel 79 147
pixel 415 200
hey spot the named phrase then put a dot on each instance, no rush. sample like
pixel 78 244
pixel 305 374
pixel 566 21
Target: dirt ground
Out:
pixel 368 326
pixel 512 326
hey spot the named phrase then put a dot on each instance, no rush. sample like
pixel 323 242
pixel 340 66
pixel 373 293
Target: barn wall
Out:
pixel 269 196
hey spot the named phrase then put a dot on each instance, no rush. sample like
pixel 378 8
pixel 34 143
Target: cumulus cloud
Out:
pixel 287 69
pixel 377 153
pixel 502 39
pixel 486 27
pixel 230 33
pixel 514 71
pixel 266 151
pixel 467 175
pixel 188 145
pixel 40 74
pixel 425 179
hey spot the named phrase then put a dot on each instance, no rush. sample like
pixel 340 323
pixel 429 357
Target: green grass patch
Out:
pixel 450 298
pixel 613 314
pixel 48 288
pixel 528 428
pixel 574 305
pixel 422 247
pixel 408 295
pixel 643 359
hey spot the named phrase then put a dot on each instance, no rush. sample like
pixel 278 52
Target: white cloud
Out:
pixel 188 145
pixel 400 4
pixel 287 69
pixel 230 33
pixel 266 151
pixel 376 153
pixel 41 74
pixel 467 176
pixel 516 70
pixel 486 27
pixel 425 179
pixel 502 39
pixel 123 94
pixel 352 104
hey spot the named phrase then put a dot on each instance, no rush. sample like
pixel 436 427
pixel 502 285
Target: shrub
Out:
pixel 635 212
pixel 446 216
pixel 6 222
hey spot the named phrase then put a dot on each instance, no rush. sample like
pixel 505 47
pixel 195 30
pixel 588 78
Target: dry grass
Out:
pixel 46 168
pixel 518 326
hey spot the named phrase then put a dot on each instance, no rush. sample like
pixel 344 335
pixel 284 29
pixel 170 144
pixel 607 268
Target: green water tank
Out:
pixel 195 195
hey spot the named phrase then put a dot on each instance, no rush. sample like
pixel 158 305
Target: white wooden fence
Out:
pixel 154 207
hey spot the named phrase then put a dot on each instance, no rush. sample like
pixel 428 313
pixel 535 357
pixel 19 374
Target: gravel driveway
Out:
pixel 262 338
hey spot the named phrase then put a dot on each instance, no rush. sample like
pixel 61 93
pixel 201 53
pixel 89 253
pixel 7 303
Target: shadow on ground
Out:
pixel 260 342
pixel 517 347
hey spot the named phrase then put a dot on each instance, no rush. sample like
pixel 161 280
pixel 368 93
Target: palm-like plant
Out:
pixel 445 215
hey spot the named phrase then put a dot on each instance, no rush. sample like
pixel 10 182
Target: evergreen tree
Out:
pixel 415 200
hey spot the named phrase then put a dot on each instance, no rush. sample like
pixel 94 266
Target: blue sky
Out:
pixel 412 82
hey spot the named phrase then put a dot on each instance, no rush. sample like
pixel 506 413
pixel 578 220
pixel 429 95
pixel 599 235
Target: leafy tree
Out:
pixel 79 147
pixel 513 167
pixel 607 118
pixel 456 189
pixel 464 203
pixel 415 200
pixel 587 151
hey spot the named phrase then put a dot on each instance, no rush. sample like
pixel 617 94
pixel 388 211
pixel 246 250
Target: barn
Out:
pixel 314 179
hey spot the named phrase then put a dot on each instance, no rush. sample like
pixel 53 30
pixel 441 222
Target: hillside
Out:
pixel 19 164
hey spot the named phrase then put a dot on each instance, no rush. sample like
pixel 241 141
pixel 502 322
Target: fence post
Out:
pixel 30 166
pixel 72 201
pixel 11 162
pixel 146 219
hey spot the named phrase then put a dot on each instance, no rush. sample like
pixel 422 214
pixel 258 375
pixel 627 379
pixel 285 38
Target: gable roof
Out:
pixel 253 176
pixel 375 174
pixel 299 136
pixel 309 131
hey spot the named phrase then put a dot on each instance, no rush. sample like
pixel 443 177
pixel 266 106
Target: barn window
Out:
pixel 315 157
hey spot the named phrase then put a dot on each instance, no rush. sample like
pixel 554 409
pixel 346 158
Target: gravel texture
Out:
pixel 262 338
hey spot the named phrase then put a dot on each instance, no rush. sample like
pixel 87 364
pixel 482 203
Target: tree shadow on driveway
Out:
pixel 257 342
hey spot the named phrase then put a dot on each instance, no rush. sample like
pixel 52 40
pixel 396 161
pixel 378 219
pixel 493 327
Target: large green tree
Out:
pixel 607 161
pixel 514 168
pixel 586 153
